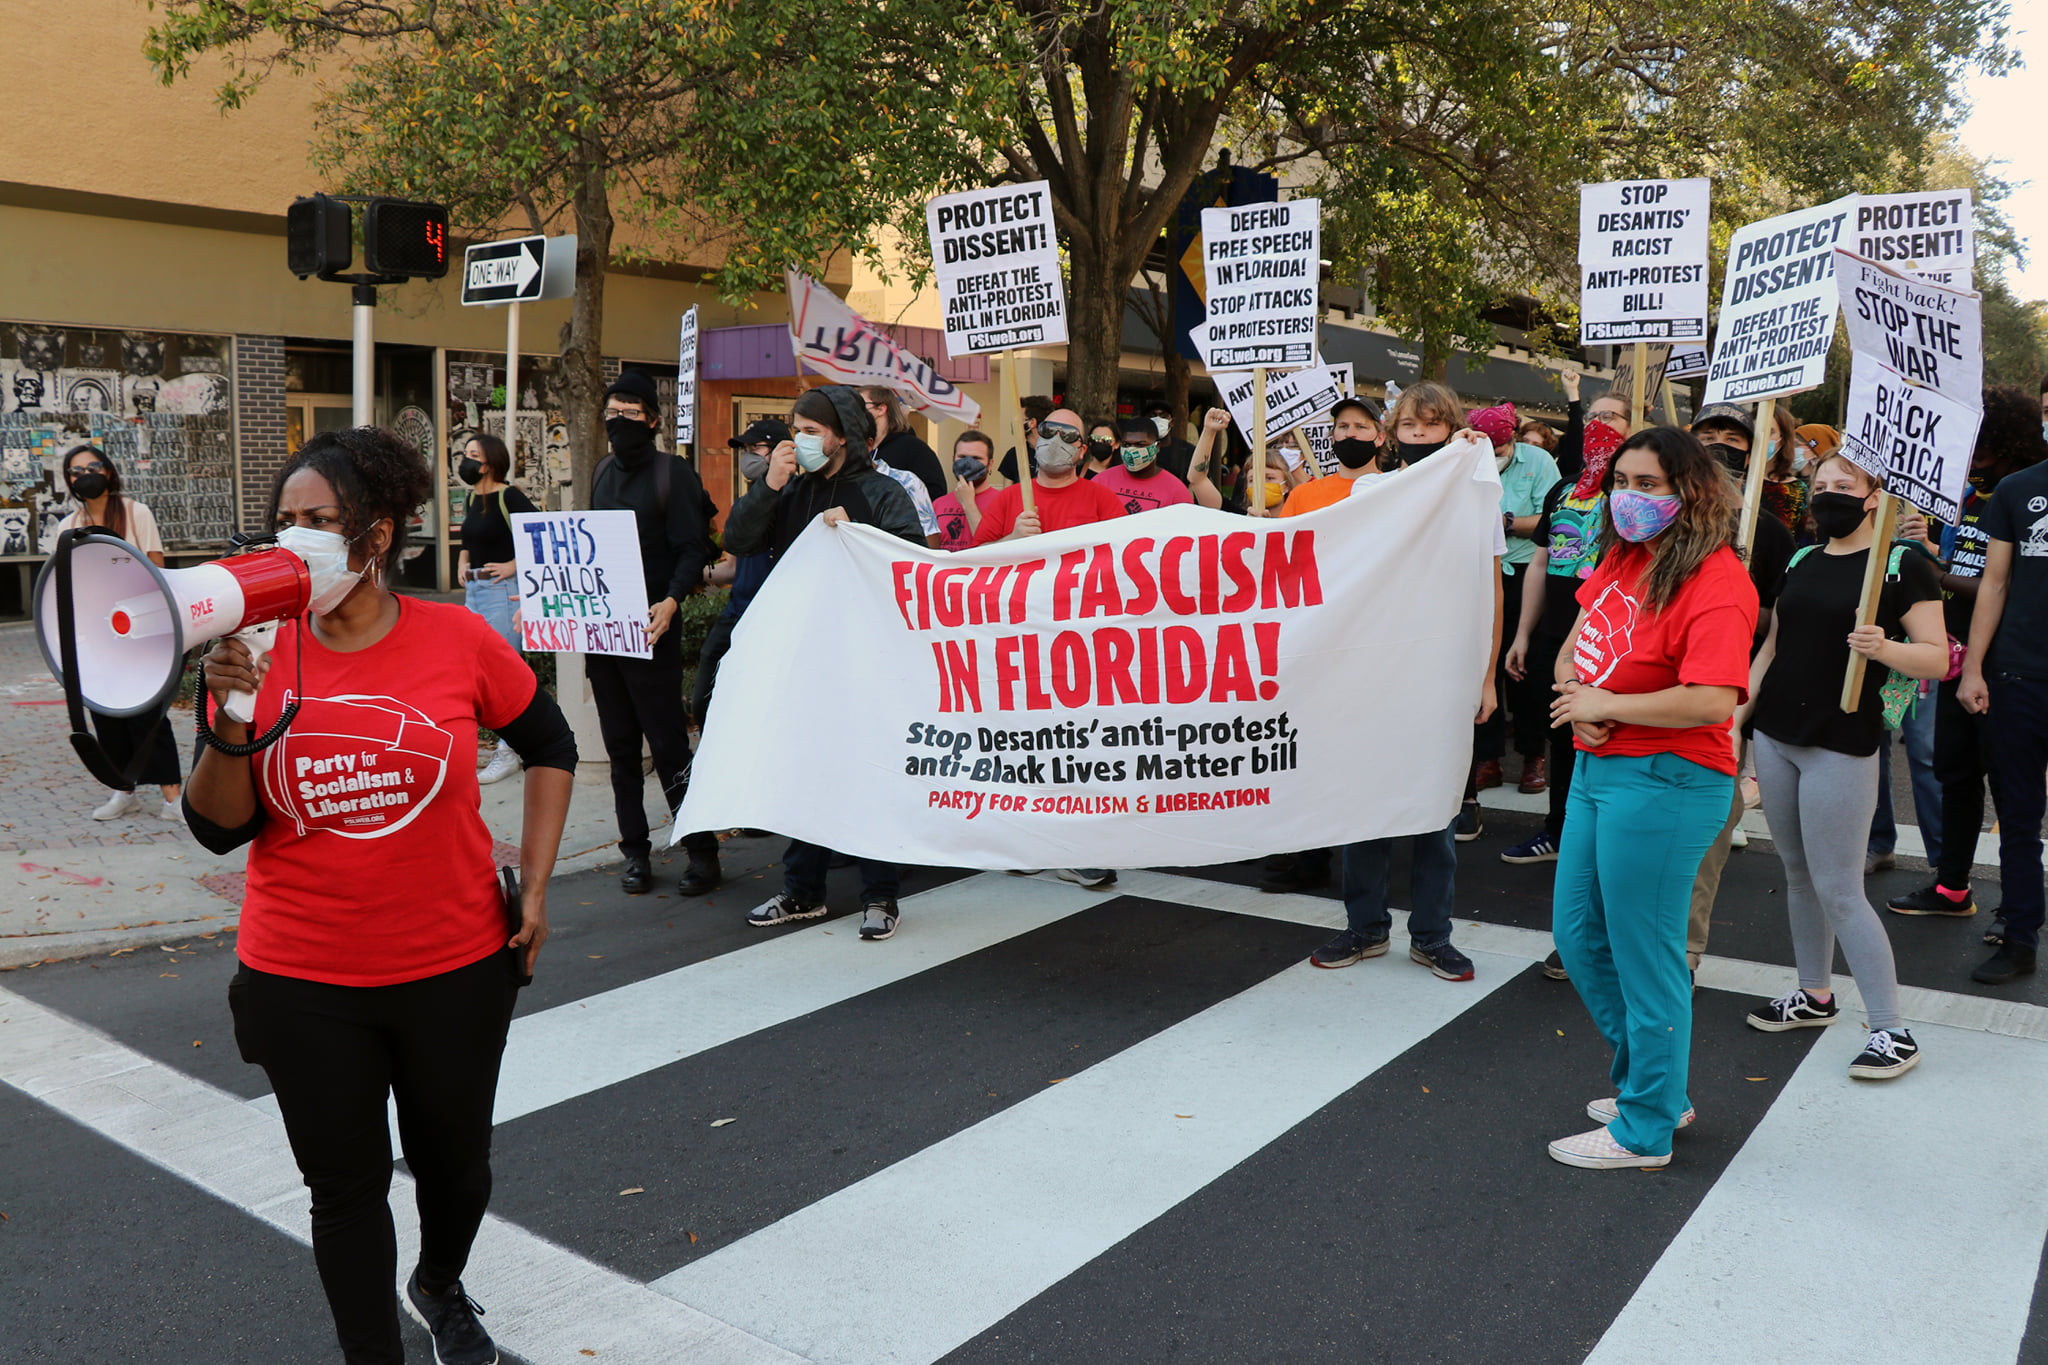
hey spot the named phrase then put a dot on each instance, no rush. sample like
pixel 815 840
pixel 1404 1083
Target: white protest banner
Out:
pixel 1264 267
pixel 1929 233
pixel 1916 387
pixel 998 267
pixel 1643 258
pixel 1291 399
pixel 686 381
pixel 1778 305
pixel 581 590
pixel 1686 362
pixel 1172 689
pixel 834 340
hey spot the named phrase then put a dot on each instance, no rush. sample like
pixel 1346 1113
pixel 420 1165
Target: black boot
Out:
pixel 636 880
pixel 701 877
pixel 2003 966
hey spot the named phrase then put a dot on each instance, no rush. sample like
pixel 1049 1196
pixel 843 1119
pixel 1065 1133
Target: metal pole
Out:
pixel 512 381
pixel 365 354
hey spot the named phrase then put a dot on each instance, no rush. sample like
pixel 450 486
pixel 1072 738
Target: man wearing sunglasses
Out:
pixel 1061 496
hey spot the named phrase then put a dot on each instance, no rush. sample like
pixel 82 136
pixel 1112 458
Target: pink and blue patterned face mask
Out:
pixel 1642 516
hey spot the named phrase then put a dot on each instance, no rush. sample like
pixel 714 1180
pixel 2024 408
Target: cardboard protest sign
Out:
pixel 686 380
pixel 834 340
pixel 1291 399
pixel 1916 387
pixel 998 268
pixel 1643 261
pixel 1929 233
pixel 1778 304
pixel 1263 264
pixel 581 590
pixel 1119 694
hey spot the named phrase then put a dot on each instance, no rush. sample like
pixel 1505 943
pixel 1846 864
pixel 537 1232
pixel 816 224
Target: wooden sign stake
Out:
pixel 1013 433
pixel 1873 588
pixel 1759 461
pixel 1636 394
pixel 1255 490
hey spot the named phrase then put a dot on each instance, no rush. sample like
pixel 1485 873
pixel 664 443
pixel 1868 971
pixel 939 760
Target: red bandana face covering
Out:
pixel 1601 441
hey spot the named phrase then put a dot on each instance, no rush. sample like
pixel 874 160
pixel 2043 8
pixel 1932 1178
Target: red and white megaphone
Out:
pixel 114 628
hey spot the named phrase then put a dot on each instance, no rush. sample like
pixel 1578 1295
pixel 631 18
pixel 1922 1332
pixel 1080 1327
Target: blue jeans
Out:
pixel 2019 755
pixel 1633 839
pixel 495 601
pixel 804 867
pixel 1917 729
pixel 1432 886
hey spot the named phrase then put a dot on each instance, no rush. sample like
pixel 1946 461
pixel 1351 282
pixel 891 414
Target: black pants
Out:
pixel 1962 760
pixel 332 1054
pixel 702 845
pixel 122 736
pixel 1542 670
pixel 636 699
pixel 2019 757
pixel 1524 705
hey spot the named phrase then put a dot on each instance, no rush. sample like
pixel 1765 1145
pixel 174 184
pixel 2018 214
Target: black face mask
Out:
pixel 1411 451
pixel 1837 514
pixel 1354 453
pixel 1735 461
pixel 469 471
pixel 631 438
pixel 85 487
pixel 1102 450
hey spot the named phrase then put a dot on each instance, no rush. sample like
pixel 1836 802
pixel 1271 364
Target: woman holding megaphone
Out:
pixel 379 956
pixel 95 481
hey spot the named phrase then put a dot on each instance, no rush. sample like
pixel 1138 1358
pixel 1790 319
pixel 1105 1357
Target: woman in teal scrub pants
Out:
pixel 1648 681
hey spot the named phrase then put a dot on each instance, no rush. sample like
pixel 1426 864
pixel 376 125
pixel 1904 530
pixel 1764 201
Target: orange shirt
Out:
pixel 1317 494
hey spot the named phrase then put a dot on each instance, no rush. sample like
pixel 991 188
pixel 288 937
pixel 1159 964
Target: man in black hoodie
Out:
pixel 825 469
pixel 643 698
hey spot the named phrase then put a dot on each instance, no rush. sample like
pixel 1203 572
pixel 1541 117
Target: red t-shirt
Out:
pixel 374 866
pixel 1702 638
pixel 1078 504
pixel 1157 489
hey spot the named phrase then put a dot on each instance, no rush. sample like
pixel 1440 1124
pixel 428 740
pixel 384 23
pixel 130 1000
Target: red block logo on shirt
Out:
pixel 360 767
pixel 1608 636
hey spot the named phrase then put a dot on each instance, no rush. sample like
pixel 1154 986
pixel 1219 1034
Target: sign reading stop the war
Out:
pixel 1916 387
pixel 998 267
pixel 1643 261
pixel 1778 305
pixel 1264 265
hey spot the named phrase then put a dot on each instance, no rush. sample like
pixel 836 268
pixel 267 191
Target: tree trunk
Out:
pixel 1095 316
pixel 1178 375
pixel 583 349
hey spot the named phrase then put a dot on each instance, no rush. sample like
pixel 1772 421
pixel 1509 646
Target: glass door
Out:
pixel 308 413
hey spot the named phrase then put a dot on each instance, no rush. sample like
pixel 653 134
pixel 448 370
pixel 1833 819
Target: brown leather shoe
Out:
pixel 1535 775
pixel 1489 774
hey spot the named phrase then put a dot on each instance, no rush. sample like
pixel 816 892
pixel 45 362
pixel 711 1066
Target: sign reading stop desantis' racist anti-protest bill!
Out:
pixel 833 340
pixel 1916 384
pixel 1264 269
pixel 1778 305
pixel 1292 399
pixel 1643 261
pixel 581 589
pixel 1929 233
pixel 1181 687
pixel 998 267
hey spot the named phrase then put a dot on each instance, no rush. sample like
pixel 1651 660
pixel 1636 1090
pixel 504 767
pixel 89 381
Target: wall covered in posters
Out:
pixel 159 404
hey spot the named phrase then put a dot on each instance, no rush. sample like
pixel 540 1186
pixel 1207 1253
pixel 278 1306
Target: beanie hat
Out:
pixel 635 384
pixel 1826 440
pixel 1498 423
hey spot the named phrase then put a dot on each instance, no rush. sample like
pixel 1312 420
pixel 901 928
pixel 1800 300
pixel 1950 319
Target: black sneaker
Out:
pixel 1890 1052
pixel 1446 961
pixel 1553 967
pixel 1347 948
pixel 450 1319
pixel 1467 826
pixel 782 908
pixel 2001 967
pixel 878 921
pixel 1797 1010
pixel 1929 900
pixel 636 880
pixel 702 877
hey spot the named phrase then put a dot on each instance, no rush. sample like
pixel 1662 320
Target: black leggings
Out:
pixel 332 1054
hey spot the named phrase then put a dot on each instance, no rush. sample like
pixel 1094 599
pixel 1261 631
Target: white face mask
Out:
pixel 1160 424
pixel 810 452
pixel 326 556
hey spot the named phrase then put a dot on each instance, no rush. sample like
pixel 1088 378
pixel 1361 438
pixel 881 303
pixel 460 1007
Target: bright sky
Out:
pixel 2004 124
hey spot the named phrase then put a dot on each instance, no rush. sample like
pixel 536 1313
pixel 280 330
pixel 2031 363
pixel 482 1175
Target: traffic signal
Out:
pixel 317 236
pixel 406 238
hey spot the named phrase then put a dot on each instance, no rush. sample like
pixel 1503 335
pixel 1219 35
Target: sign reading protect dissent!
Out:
pixel 1778 304
pixel 1929 233
pixel 998 266
pixel 1643 259
pixel 1264 267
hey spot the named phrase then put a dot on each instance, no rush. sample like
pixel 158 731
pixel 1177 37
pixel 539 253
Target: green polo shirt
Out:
pixel 1524 484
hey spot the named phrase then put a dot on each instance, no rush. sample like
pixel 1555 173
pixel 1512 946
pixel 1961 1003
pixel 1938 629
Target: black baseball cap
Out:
pixel 769 429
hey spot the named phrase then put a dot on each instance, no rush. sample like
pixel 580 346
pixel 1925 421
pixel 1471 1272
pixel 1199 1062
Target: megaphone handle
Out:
pixel 257 640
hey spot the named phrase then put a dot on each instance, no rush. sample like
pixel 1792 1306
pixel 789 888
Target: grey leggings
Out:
pixel 1819 804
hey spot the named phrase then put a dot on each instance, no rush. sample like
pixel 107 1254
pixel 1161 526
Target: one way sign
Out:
pixel 521 270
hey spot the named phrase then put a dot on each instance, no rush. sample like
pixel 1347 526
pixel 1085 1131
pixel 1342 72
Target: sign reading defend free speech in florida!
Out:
pixel 1778 305
pixel 581 590
pixel 998 267
pixel 1264 269
pixel 1643 259
pixel 1916 387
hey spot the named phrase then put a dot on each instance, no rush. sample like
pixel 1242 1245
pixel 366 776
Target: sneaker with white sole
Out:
pixel 1089 878
pixel 1890 1052
pixel 878 921
pixel 1347 947
pixel 503 764
pixel 451 1320
pixel 1537 848
pixel 783 908
pixel 1444 960
pixel 1596 1151
pixel 1607 1111
pixel 1797 1010
pixel 118 805
pixel 1738 837
pixel 172 811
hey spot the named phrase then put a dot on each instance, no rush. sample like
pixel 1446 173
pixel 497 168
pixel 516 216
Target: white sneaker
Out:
pixel 172 811
pixel 1596 1151
pixel 118 805
pixel 1607 1111
pixel 503 764
pixel 1738 838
